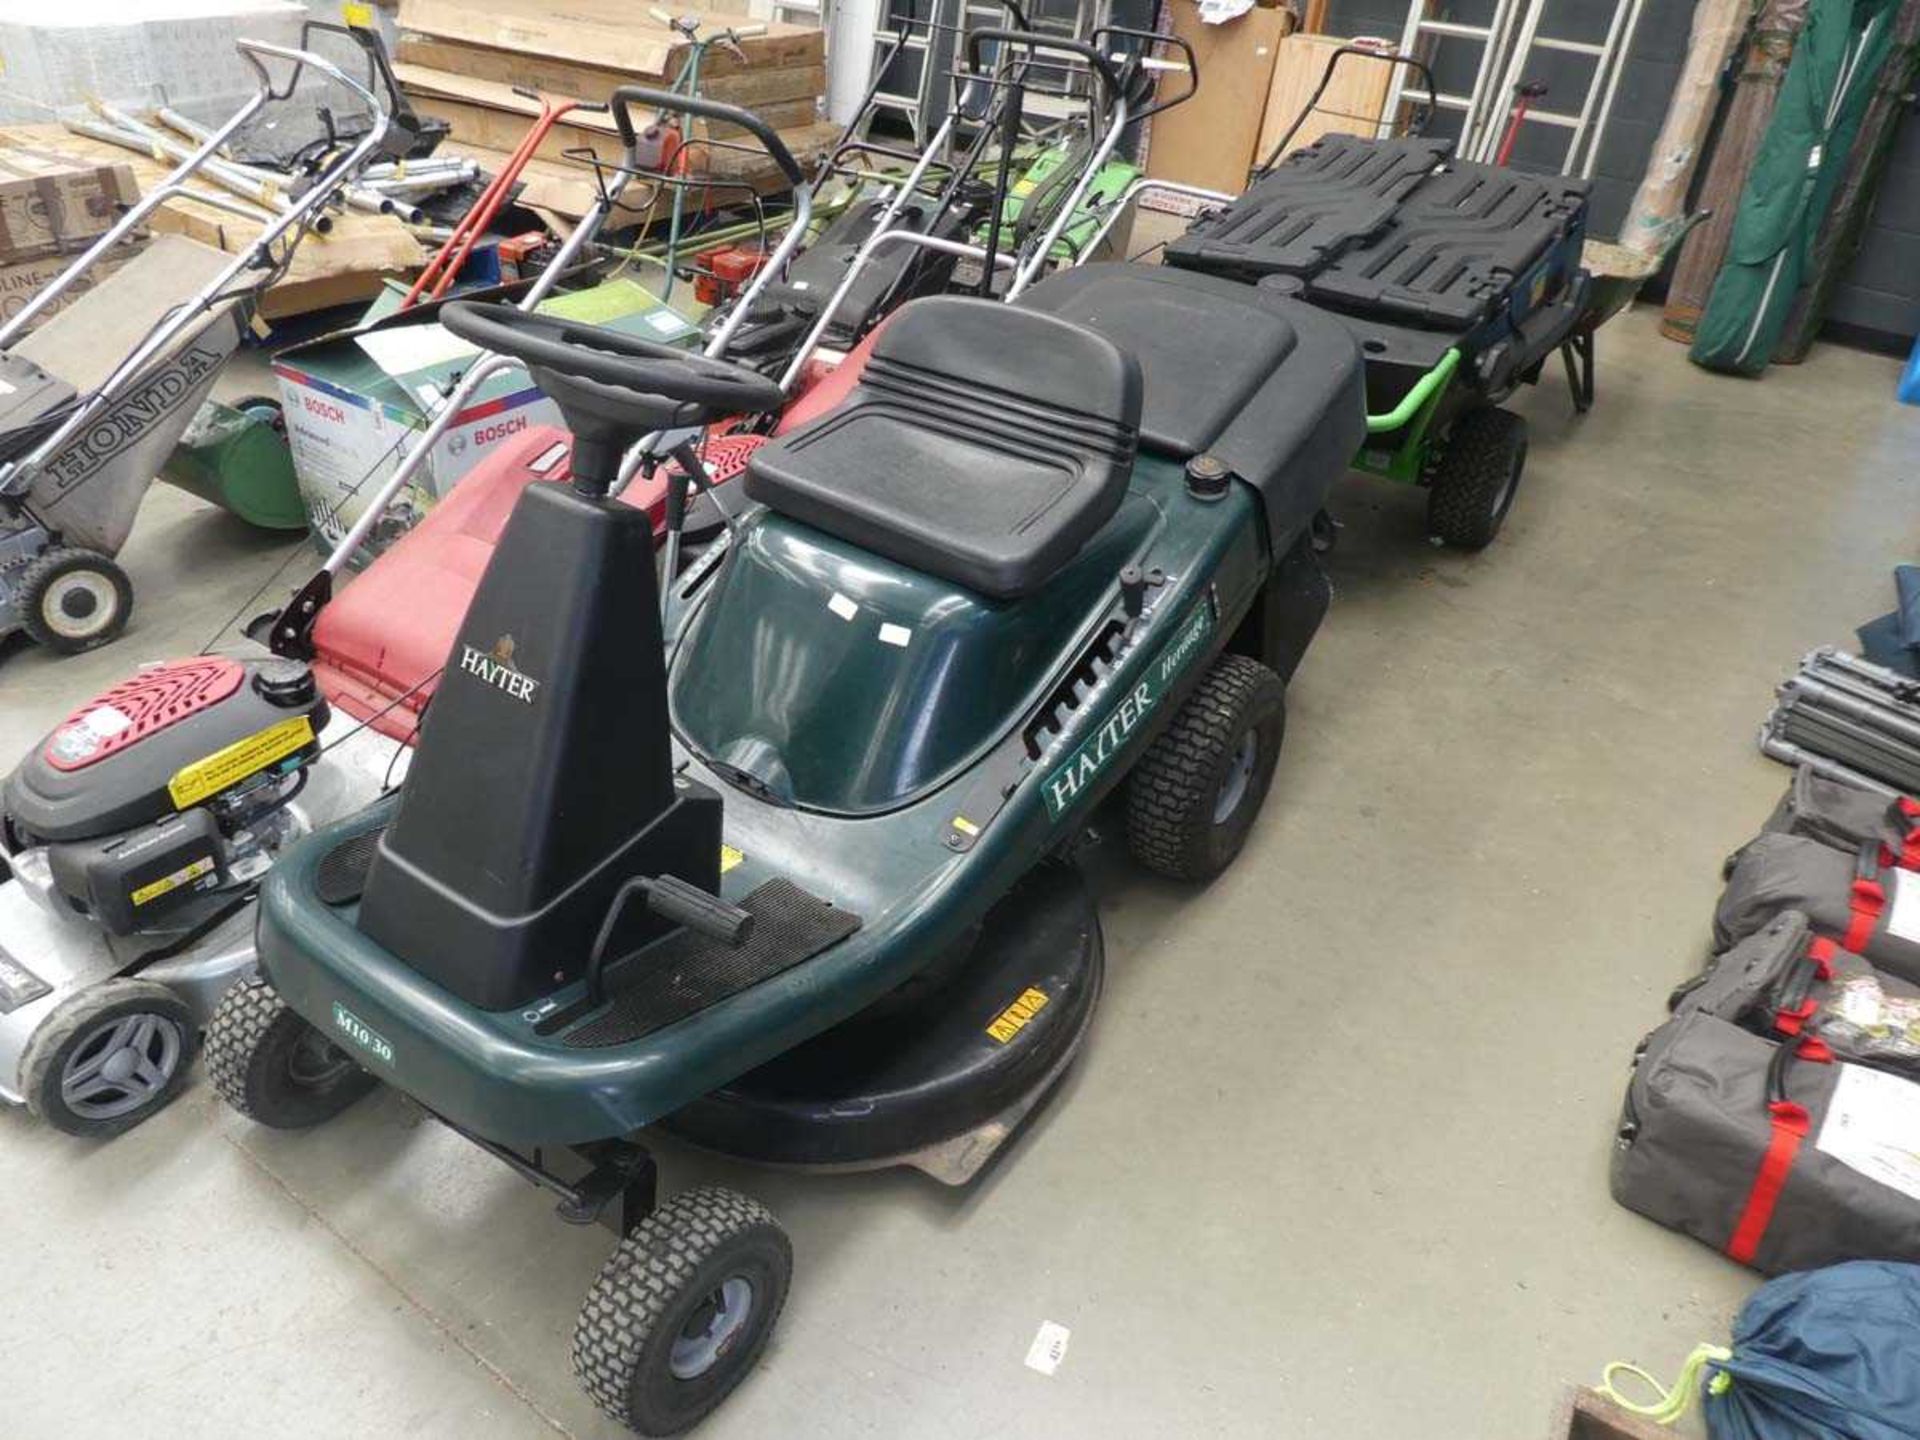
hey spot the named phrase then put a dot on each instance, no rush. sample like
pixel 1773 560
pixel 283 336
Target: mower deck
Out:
pixel 940 1075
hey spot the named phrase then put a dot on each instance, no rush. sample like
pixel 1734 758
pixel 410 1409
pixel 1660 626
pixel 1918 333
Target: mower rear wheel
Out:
pixel 73 599
pixel 682 1310
pixel 272 1066
pixel 1192 798
pixel 109 1057
pixel 1473 485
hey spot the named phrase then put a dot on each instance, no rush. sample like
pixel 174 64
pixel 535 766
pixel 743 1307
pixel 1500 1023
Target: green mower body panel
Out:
pixel 917 833
pixel 1044 170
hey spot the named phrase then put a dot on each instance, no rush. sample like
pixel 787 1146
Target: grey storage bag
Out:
pixel 1846 814
pixel 1787 981
pixel 1722 1138
pixel 1870 908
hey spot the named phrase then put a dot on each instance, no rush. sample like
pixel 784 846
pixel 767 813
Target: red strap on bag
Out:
pixel 1866 902
pixel 1791 1124
pixel 1821 951
pixel 1909 856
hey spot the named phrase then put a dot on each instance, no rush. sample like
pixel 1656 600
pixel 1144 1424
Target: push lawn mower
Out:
pixel 788 871
pixel 82 438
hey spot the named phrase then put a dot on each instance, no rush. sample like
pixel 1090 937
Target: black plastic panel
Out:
pixel 1373 229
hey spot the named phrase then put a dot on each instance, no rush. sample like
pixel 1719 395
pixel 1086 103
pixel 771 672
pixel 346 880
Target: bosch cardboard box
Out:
pixel 357 400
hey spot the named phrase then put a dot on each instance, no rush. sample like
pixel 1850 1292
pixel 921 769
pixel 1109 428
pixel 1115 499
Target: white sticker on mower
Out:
pixel 842 606
pixel 1049 1347
pixel 106 720
pixel 1903 906
pixel 1870 1127
pixel 895 635
pixel 362 1034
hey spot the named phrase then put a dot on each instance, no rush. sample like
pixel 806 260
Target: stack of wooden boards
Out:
pixel 460 60
pixel 87 182
pixel 1257 76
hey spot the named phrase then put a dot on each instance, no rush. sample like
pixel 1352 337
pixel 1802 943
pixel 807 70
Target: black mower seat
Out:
pixel 983 444
pixel 1267 384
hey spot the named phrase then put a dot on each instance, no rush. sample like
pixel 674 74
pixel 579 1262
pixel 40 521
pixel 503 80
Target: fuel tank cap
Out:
pixel 287 683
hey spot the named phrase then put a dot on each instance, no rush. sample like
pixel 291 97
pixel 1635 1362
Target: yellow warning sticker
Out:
pixel 730 857
pixel 1012 1020
pixel 213 773
pixel 965 826
pixel 185 875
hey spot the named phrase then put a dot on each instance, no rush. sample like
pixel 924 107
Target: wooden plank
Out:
pixel 358 244
pixel 1209 140
pixel 1351 106
pixel 442 89
pixel 750 88
pixel 615 34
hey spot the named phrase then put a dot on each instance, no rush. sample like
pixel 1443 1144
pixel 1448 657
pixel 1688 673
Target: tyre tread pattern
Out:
pixel 1469 478
pixel 643 1279
pixel 1170 790
pixel 42 570
pixel 245 1014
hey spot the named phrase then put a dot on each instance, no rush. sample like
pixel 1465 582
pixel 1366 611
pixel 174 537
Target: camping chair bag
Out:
pixel 1778 1155
pixel 1869 907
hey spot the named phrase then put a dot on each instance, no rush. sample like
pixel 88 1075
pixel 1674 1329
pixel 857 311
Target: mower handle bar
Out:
pixel 15 477
pixel 1034 41
pixel 665 100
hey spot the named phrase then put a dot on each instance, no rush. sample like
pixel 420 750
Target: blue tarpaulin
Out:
pixel 1832 1353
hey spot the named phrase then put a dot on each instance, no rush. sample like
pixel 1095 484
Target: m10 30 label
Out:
pixel 1075 775
pixel 362 1034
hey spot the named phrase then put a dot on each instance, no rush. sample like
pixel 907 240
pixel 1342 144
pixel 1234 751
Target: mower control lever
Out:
pixel 672 898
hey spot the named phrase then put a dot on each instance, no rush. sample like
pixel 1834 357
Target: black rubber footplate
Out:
pixel 687 972
pixel 341 875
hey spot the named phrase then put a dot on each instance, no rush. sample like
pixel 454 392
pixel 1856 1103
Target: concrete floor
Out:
pixel 1334 1162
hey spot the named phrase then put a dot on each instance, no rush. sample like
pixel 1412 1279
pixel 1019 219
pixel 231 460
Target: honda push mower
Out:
pixel 82 434
pixel 787 873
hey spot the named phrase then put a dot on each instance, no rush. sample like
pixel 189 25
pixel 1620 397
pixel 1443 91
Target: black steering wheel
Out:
pixel 608 357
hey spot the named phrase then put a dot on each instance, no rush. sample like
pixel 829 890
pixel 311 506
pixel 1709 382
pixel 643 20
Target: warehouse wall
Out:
pixel 1878 302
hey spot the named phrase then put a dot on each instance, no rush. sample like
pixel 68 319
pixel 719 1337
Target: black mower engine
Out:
pixel 148 806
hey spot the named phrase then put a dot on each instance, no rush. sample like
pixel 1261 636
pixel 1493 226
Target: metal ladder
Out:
pixel 1509 43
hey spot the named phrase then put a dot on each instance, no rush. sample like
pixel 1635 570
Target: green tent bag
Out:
pixel 1800 164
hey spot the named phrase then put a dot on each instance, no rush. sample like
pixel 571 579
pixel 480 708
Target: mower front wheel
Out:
pixel 682 1310
pixel 1472 487
pixel 1192 798
pixel 109 1058
pixel 73 599
pixel 275 1068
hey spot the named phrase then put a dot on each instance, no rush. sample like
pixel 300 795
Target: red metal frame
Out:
pixel 438 274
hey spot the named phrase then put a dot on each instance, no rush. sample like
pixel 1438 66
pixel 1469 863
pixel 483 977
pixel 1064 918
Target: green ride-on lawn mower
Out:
pixel 788 871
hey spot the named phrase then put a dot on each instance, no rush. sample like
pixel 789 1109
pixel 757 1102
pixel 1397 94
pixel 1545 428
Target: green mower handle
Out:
pixel 1418 396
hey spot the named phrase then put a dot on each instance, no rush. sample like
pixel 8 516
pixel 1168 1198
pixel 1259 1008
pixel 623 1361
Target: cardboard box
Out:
pixel 1209 141
pixel 52 205
pixel 21 280
pixel 356 400
pixel 1355 95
